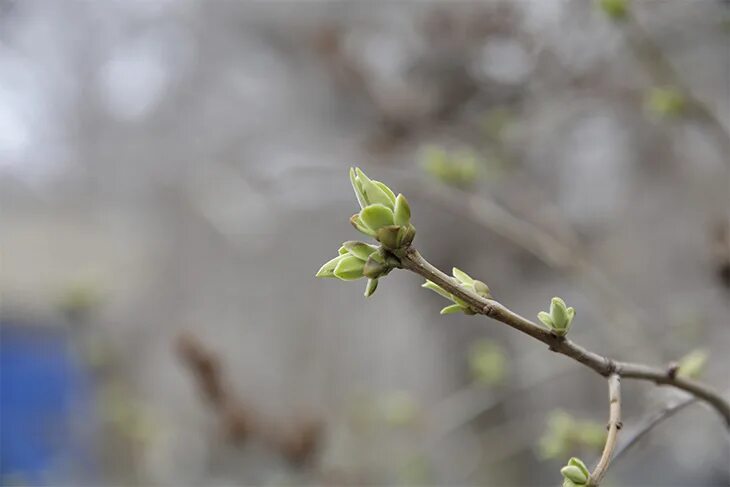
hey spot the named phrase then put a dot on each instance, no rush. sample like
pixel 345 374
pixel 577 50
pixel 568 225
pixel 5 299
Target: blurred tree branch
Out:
pixel 297 444
pixel 411 260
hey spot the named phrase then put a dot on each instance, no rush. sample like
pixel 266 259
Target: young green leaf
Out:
pixel 361 250
pixel 386 190
pixel 462 276
pixel 437 289
pixel 481 289
pixel 454 308
pixel 546 319
pixel 376 195
pixel 360 226
pixel 349 268
pixel 376 216
pixel 402 212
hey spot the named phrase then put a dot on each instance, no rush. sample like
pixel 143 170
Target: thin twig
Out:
pixel 614 425
pixel 648 424
pixel 410 259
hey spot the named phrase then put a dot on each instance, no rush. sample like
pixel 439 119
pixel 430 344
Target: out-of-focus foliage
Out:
pixel 665 102
pixel 564 434
pixel 459 167
pixel 488 362
pixel 692 364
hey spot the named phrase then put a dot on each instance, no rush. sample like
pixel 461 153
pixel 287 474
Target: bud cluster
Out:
pixel 356 260
pixel 575 473
pixel 465 281
pixel 559 319
pixel 383 216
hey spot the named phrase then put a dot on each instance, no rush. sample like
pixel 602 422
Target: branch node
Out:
pixel 672 370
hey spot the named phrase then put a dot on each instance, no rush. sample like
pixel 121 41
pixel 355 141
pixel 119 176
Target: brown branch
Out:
pixel 410 259
pixel 614 425
pixel 239 420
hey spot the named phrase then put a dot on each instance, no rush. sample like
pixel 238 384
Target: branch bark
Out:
pixel 614 425
pixel 411 260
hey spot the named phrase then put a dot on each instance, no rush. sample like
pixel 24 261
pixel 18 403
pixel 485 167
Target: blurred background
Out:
pixel 173 174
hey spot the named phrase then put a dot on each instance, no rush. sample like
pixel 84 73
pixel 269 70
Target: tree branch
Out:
pixel 614 425
pixel 650 422
pixel 411 260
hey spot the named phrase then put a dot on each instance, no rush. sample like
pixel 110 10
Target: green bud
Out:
pixel 560 317
pixel 616 9
pixel 402 212
pixel 374 268
pixel 349 268
pixel 574 474
pixel 342 250
pixel 360 226
pixel 437 289
pixel 692 364
pixel 558 312
pixel 569 483
pixel 328 270
pixel 451 309
pixel 481 289
pixel 577 462
pixel 409 233
pixel 371 287
pixel 357 187
pixel 462 277
pixel 376 216
pixel 390 236
pixel 361 250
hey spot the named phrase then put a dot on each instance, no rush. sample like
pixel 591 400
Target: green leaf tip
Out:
pixel 452 309
pixel 372 285
pixel 328 269
pixel 462 276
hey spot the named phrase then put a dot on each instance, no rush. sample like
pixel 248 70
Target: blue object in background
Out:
pixel 45 407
